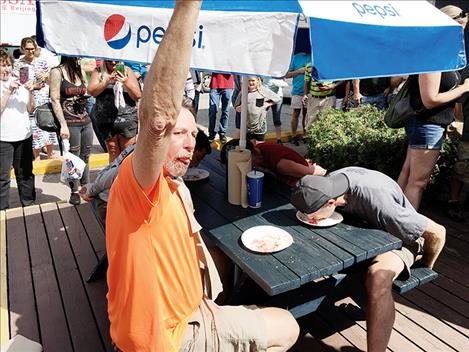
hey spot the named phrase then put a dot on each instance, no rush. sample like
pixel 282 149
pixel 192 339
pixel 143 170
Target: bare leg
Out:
pixel 422 162
pixel 36 155
pixel 237 133
pixel 435 237
pixel 282 329
pixel 380 313
pixel 404 175
pixel 294 121
pixel 50 151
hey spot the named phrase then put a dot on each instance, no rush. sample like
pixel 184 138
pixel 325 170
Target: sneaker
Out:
pixel 279 141
pixel 74 199
pixel 223 138
pixel 454 211
pixel 211 137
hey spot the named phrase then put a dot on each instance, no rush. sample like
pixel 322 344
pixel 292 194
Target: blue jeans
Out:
pixel 277 113
pixel 380 101
pixel 215 96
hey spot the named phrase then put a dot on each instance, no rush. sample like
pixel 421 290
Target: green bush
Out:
pixel 360 137
pixel 357 137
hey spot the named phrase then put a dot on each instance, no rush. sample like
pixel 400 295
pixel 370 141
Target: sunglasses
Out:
pixel 462 15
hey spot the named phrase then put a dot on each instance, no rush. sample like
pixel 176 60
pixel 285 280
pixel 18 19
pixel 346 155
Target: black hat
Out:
pixel 312 192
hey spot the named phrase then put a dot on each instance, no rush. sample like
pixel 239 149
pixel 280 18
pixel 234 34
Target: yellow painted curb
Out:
pixel 53 166
pixel 4 317
pixel 269 137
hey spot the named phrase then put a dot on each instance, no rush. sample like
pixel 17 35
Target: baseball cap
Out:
pixel 453 11
pixel 312 192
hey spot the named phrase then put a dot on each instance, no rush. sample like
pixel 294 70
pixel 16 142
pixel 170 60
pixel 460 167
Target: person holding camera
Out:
pixel 34 69
pixel 117 92
pixel 17 102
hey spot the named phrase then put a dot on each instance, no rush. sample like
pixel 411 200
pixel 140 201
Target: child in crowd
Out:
pixel 259 100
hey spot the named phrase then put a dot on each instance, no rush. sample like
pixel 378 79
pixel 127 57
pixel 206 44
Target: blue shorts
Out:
pixel 424 135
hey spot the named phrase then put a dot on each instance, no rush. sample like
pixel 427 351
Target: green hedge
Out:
pixel 359 137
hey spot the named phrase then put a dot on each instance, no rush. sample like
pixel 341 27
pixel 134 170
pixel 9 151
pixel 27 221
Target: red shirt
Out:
pixel 272 153
pixel 222 81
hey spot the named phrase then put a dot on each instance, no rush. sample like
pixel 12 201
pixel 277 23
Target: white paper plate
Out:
pixel 331 221
pixel 195 174
pixel 266 239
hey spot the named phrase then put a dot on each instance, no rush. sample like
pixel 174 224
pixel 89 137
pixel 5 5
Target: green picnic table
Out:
pixel 321 264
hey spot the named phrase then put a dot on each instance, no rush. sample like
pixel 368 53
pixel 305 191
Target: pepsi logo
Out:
pixel 117 32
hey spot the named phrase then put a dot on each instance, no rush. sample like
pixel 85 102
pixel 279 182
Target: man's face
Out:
pixel 324 212
pixel 182 144
pixel 198 156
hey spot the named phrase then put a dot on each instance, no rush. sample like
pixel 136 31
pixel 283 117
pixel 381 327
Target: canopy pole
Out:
pixel 244 112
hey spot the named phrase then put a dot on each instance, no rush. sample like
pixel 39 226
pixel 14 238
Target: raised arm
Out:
pixel 14 84
pixel 97 85
pixel 163 92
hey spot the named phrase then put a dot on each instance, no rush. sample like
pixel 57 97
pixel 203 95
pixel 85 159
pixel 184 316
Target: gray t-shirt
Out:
pixel 378 199
pixel 257 111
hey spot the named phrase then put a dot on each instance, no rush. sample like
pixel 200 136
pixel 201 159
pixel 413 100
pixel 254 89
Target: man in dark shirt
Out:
pixel 373 91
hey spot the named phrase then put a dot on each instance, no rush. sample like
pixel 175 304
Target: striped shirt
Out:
pixel 315 85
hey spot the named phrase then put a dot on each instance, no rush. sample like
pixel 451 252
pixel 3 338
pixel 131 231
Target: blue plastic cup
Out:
pixel 255 180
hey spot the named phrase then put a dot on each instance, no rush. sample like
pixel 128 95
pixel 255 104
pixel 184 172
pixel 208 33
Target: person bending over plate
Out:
pixel 378 200
pixel 284 162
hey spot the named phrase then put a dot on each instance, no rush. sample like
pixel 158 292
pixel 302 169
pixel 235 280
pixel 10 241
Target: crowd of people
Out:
pixel 151 137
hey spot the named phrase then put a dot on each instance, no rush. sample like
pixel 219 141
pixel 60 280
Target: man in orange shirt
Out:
pixel 159 299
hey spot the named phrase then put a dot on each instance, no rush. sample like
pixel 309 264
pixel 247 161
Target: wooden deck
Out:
pixel 51 248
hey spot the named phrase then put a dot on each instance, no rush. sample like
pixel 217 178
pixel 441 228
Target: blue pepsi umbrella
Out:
pixel 349 39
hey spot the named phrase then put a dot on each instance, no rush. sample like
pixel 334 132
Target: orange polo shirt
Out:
pixel 154 276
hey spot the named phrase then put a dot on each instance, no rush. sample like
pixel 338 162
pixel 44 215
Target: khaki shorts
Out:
pixel 225 329
pixel 461 166
pixel 316 105
pixel 296 102
pixel 407 254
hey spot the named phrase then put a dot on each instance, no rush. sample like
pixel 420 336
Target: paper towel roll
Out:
pixel 238 160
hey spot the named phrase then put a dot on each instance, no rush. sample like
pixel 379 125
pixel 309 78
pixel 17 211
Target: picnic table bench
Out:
pixel 322 264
